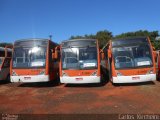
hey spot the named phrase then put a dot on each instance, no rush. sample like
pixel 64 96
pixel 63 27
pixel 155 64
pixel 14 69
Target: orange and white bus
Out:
pixel 80 61
pixel 130 60
pixel 5 58
pixel 32 61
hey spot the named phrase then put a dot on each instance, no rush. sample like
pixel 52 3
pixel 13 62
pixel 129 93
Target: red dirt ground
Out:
pixel 46 98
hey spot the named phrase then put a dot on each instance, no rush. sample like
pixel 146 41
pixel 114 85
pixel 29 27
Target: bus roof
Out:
pixel 78 43
pixel 79 40
pixel 130 38
pixel 35 39
pixel 129 41
pixel 32 39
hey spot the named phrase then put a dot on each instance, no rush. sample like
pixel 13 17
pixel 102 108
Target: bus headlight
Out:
pixel 14 73
pixel 150 72
pixel 64 74
pixel 42 72
pixel 119 74
pixel 94 73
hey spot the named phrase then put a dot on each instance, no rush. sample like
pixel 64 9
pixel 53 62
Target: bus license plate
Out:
pixel 27 78
pixel 79 79
pixel 136 78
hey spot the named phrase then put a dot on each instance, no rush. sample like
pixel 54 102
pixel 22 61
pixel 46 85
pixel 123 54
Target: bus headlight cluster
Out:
pixel 14 73
pixel 150 72
pixel 94 73
pixel 64 74
pixel 42 72
pixel 119 74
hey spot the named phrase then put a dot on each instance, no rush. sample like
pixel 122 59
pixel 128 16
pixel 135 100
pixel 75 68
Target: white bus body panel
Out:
pixel 83 79
pixel 129 79
pixel 30 78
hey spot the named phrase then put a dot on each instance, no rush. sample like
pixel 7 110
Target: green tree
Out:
pixel 103 37
pixel 5 44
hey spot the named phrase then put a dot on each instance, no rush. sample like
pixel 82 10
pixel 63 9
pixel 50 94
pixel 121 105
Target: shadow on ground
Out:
pixel 2 82
pixel 52 83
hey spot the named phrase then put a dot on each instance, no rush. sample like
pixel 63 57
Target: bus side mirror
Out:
pixel 109 54
pixel 155 55
pixel 55 55
pixel 102 55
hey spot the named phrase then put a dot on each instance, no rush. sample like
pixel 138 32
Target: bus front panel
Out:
pixel 132 61
pixel 30 61
pixel 79 61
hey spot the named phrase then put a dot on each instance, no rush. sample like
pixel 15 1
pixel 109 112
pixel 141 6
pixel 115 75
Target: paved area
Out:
pixel 48 98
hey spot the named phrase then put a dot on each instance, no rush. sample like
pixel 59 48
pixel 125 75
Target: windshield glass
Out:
pixel 132 56
pixel 25 57
pixel 79 58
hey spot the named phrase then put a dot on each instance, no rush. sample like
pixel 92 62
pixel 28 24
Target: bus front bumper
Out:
pixel 80 79
pixel 134 79
pixel 30 78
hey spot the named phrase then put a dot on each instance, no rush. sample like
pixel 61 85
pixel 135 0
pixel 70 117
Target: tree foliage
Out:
pixel 5 44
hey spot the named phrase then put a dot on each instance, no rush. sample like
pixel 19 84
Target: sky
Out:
pixel 21 19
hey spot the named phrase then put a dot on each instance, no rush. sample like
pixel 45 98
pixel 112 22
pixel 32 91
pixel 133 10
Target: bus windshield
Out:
pixel 132 56
pixel 79 58
pixel 29 56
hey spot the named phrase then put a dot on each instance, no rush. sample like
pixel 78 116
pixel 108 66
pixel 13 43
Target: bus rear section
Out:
pixel 80 61
pixel 131 60
pixel 5 58
pixel 32 61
